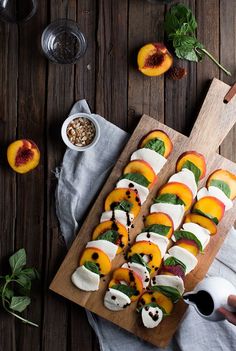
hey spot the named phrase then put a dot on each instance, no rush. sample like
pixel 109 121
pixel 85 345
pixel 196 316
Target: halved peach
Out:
pixel 131 278
pixel 179 189
pixel 158 134
pixel 204 222
pixel 97 256
pixel 189 245
pixel 117 195
pixel 227 177
pixel 160 218
pixel 154 59
pixel 141 167
pixel 151 251
pixel 210 207
pixel 113 225
pixel 157 297
pixel 197 159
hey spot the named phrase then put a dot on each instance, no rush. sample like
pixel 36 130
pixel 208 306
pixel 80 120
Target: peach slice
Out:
pixel 131 278
pixel 160 218
pixel 154 59
pixel 152 251
pixel 158 134
pixel 158 298
pixel 197 159
pixel 226 177
pixel 117 195
pixel 142 167
pixel 210 207
pixel 97 256
pixel 23 155
pixel 204 222
pixel 189 245
pixel 179 189
pixel 113 225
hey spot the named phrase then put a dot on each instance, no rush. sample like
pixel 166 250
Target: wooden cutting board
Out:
pixel 212 125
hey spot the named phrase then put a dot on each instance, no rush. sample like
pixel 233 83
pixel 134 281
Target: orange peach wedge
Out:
pixel 221 175
pixel 117 195
pixel 179 189
pixel 160 218
pixel 23 155
pixel 157 297
pixel 154 59
pixel 194 157
pixel 158 134
pixel 204 222
pixel 141 167
pixel 210 207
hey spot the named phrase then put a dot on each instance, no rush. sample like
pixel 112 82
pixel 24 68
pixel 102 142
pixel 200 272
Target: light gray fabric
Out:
pixel 79 179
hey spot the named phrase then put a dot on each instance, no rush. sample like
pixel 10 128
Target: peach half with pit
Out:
pixel 154 59
pixel 116 196
pixel 23 155
pixel 92 254
pixel 158 134
pixel 156 297
pixel 210 207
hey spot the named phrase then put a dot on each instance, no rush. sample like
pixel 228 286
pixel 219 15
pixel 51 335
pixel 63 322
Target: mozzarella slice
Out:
pixel 220 195
pixel 120 216
pixel 116 300
pixel 176 212
pixel 142 190
pixel 184 256
pixel 140 270
pixel 85 280
pixel 203 192
pixel 202 234
pixel 151 316
pixel 157 239
pixel 109 248
pixel 155 160
pixel 186 177
pixel 169 280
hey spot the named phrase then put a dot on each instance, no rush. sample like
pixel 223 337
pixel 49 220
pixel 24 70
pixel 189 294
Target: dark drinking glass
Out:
pixel 16 11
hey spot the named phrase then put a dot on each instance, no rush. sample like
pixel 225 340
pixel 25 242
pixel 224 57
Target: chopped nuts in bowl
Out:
pixel 80 131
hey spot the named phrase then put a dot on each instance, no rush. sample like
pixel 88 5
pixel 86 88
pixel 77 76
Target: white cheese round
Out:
pixel 184 256
pixel 120 216
pixel 140 270
pixel 116 300
pixel 142 190
pixel 157 239
pixel 85 280
pixel 155 160
pixel 186 177
pixel 107 247
pixel 151 316
pixel 169 280
pixel 203 192
pixel 202 234
pixel 176 212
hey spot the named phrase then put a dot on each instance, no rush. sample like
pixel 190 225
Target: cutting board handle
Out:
pixel 215 119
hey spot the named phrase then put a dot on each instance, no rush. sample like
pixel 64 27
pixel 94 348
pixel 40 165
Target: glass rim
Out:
pixel 27 18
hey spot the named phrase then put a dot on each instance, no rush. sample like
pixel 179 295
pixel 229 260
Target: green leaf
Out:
pixel 179 234
pixel 169 199
pixel 91 266
pixel 180 18
pixel 137 258
pixel 31 273
pixel 126 289
pixel 137 178
pixel 160 229
pixel 17 261
pixel 214 219
pixel 124 206
pixel 172 261
pixel 24 281
pixel 222 186
pixel 19 303
pixel 168 291
pixel 156 145
pixel 109 235
pixel 194 169
pixel 8 293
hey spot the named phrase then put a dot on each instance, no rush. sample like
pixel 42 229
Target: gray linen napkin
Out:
pixel 79 179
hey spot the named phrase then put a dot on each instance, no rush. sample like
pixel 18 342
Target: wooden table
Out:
pixel 36 97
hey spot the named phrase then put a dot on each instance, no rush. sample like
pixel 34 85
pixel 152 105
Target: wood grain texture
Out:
pixel 214 110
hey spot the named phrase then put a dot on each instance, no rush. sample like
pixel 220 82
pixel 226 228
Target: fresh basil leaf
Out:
pixel 17 261
pixel 169 199
pixel 8 293
pixel 31 273
pixel 137 258
pixel 179 234
pixel 124 206
pixel 180 18
pixel 214 219
pixel 125 289
pixel 221 185
pixel 172 261
pixel 156 145
pixel 19 303
pixel 24 281
pixel 160 229
pixel 194 169
pixel 109 235
pixel 137 178
pixel 168 291
pixel 91 266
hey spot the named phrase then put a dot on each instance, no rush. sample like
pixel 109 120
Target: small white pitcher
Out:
pixel 209 295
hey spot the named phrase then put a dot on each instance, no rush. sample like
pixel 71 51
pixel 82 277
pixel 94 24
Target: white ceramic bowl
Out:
pixel 66 139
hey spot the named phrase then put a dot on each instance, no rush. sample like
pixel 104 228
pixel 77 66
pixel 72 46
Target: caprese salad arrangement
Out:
pixel 144 258
pixel 121 207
